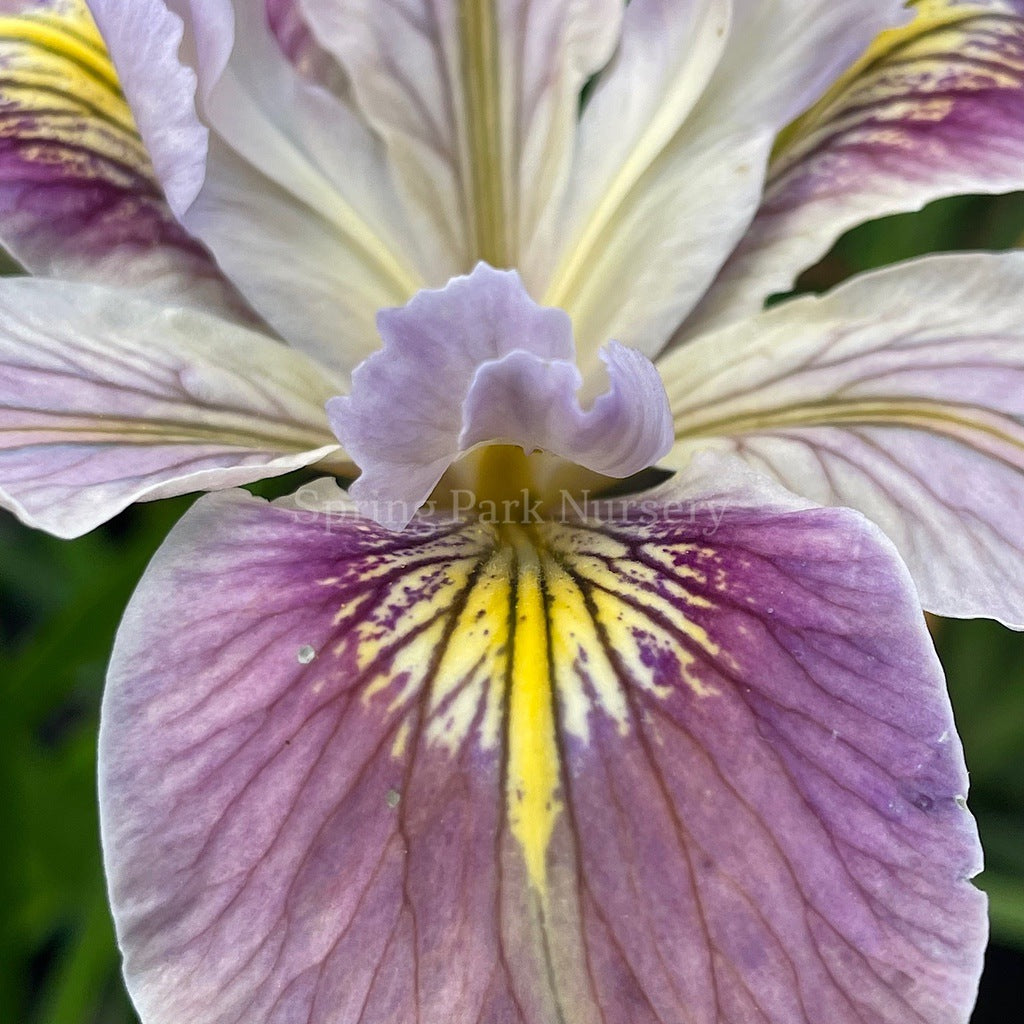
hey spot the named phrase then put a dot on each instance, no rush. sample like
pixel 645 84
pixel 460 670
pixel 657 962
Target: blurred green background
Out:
pixel 59 607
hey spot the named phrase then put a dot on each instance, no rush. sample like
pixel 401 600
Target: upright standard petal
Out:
pixel 676 182
pixel 695 767
pixel 900 394
pixel 106 400
pixel 480 362
pixel 79 197
pixel 295 198
pixel 669 51
pixel 477 101
pixel 933 109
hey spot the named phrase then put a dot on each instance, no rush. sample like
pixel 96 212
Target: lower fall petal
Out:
pixel 696 768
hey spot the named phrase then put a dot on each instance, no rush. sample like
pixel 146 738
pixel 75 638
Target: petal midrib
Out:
pixel 534 763
pixel 478 41
pixel 915 413
pixel 133 431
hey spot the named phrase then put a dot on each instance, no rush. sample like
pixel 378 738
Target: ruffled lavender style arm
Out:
pixel 480 362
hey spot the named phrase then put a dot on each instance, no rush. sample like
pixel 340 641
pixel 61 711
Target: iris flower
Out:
pixel 604 694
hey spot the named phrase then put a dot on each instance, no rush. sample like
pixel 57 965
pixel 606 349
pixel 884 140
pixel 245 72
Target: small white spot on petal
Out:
pixel 393 798
pixel 306 654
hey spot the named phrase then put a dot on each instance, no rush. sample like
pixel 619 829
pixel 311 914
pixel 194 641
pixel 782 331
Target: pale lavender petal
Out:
pixel 79 198
pixel 694 766
pixel 935 109
pixel 479 362
pixel 677 138
pixel 528 401
pixel 285 257
pixel 296 200
pixel 143 38
pixel 900 394
pixel 106 399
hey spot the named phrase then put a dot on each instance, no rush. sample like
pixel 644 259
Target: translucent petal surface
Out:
pixel 672 769
pixel 286 183
pixel 672 153
pixel 477 101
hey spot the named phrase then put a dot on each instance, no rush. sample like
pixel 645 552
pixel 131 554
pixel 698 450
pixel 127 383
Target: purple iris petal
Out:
pixel 476 362
pixel 676 767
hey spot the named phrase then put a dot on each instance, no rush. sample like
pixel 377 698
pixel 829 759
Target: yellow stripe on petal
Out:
pixel 60 87
pixel 519 645
pixel 578 647
pixel 73 33
pixel 533 759
pixel 470 675
pixel 931 38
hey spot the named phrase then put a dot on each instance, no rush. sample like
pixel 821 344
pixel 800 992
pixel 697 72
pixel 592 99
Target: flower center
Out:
pixel 504 486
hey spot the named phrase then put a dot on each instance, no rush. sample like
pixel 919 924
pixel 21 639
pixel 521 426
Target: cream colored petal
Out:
pixel 476 101
pixel 673 151
pixel 902 395
pixel 280 172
